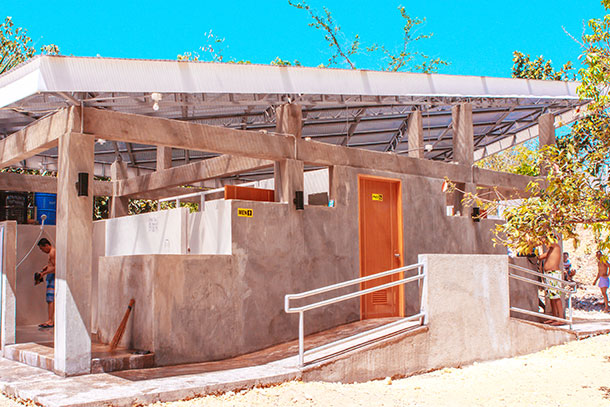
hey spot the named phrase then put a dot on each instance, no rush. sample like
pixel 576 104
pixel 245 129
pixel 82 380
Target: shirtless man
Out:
pixel 49 272
pixel 552 258
pixel 602 276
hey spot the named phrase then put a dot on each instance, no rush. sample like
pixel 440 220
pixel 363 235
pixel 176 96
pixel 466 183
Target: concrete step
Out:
pixel 102 361
pixel 31 354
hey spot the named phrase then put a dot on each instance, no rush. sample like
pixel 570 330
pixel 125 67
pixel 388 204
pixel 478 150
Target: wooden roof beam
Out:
pixel 36 138
pixel 224 165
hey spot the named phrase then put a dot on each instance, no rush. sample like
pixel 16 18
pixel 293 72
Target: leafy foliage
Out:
pixel 576 189
pixel 540 68
pixel 16 47
pixel 521 159
pixel 344 51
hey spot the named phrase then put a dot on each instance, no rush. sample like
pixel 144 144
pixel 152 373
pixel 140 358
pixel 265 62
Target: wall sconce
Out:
pixel 82 185
pixel 476 214
pixel 299 201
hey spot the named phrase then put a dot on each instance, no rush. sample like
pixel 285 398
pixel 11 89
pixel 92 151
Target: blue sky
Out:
pixel 477 37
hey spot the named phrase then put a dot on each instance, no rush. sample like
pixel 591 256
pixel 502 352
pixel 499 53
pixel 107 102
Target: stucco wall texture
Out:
pixel 469 321
pixel 31 303
pixel 275 252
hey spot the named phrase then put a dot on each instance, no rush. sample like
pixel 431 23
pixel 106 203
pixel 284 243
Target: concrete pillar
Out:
pixel 463 149
pixel 463 134
pixel 288 175
pixel 289 119
pixel 415 133
pixel 74 256
pixel 338 185
pixel 8 255
pixel 164 158
pixel 119 206
pixel 546 137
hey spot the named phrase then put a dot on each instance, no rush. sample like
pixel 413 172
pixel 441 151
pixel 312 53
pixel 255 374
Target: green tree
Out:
pixel 540 68
pixel 576 190
pixel 16 47
pixel 342 52
pixel 521 159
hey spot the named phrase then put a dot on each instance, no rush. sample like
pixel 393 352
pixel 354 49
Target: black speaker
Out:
pixel 299 200
pixel 476 214
pixel 82 185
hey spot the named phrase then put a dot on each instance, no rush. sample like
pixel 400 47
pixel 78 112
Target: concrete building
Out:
pixel 344 173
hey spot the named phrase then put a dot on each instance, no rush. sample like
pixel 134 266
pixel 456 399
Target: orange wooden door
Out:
pixel 380 244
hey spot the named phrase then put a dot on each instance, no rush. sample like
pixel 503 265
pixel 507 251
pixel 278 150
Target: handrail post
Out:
pixel 423 306
pixel 570 308
pixel 301 340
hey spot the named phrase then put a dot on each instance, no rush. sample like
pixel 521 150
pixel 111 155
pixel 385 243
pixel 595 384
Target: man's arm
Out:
pixel 544 255
pixel 599 273
pixel 49 268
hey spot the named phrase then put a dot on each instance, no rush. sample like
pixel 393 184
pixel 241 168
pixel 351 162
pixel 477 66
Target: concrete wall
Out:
pixel 98 250
pixel 469 321
pixel 31 303
pixel 209 231
pixel 162 232
pixel 279 251
pixel 187 308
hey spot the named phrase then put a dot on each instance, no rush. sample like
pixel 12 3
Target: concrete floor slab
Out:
pixel 106 389
pixel 142 386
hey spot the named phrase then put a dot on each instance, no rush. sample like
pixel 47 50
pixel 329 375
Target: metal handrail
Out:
pixel 569 292
pixel 535 273
pixel 421 275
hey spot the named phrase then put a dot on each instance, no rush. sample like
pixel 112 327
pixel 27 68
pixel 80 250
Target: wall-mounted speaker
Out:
pixel 299 200
pixel 82 185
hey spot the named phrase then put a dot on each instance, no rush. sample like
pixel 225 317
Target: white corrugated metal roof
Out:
pixel 365 109
pixel 77 74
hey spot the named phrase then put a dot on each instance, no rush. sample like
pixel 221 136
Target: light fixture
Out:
pixel 428 147
pixel 156 97
pixel 82 185
pixel 476 214
pixel 299 201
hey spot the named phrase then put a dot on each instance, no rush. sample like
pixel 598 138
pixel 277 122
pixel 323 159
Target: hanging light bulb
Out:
pixel 156 97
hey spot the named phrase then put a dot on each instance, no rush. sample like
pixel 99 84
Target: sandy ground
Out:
pixel 576 374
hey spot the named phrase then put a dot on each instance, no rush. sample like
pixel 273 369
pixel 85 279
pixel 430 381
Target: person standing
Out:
pixel 552 258
pixel 49 273
pixel 602 276
pixel 568 271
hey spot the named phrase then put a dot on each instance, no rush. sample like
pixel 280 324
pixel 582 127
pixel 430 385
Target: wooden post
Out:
pixel 288 174
pixel 463 149
pixel 119 205
pixel 164 158
pixel 415 133
pixel 546 137
pixel 73 257
pixel 463 134
pixel 8 247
